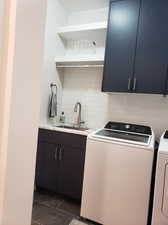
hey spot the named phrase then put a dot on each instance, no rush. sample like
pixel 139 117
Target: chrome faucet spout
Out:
pixel 78 108
pixel 78 104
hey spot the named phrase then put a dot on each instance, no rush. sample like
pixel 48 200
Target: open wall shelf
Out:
pixel 84 45
pixel 89 62
pixel 85 31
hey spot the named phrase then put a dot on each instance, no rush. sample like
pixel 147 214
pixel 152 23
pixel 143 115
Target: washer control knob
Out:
pixel 127 126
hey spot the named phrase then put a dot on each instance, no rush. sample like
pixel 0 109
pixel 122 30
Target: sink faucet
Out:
pixel 79 121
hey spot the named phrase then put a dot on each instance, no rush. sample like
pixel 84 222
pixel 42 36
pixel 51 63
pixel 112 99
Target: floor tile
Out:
pixel 35 223
pixel 77 222
pixel 46 198
pixel 52 209
pixel 49 216
pixel 70 207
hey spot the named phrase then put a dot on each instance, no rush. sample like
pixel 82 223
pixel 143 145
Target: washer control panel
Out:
pixel 166 135
pixel 134 128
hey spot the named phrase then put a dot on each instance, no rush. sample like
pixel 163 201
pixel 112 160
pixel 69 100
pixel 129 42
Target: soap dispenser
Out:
pixel 62 117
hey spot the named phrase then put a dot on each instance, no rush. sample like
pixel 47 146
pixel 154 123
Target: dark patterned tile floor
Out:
pixel 51 209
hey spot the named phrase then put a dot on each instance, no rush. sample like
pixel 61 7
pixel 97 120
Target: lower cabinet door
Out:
pixel 71 169
pixel 47 166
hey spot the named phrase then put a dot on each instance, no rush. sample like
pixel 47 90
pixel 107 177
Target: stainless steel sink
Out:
pixel 72 127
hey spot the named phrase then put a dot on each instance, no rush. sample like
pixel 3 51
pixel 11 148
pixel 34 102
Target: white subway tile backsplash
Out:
pixel 84 85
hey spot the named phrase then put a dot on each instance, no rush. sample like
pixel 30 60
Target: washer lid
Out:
pixel 123 136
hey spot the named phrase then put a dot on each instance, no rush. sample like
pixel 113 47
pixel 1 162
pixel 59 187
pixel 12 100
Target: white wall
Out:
pixel 1 26
pixel 18 141
pixel 1 22
pixel 6 62
pixel 56 16
pixel 78 5
pixel 84 85
pixel 89 16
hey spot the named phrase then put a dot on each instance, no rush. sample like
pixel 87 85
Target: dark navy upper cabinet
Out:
pixel 151 64
pixel 136 57
pixel 120 46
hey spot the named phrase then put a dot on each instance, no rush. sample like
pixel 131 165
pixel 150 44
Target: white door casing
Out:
pixel 21 65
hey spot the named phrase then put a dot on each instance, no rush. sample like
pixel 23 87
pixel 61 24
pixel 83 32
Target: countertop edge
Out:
pixel 65 130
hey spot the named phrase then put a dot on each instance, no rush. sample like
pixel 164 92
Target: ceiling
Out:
pixel 80 5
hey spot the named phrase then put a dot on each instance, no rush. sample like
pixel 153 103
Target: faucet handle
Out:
pixel 82 122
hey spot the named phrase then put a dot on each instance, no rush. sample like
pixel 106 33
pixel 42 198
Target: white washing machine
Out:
pixel 160 208
pixel 117 177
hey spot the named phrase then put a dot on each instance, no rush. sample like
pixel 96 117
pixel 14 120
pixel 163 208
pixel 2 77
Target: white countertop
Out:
pixel 66 130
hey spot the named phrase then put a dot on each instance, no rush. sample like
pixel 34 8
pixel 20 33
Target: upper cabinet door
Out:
pixel 151 67
pixel 120 47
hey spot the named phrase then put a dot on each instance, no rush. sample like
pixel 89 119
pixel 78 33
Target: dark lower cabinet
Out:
pixel 60 162
pixel 47 166
pixel 71 171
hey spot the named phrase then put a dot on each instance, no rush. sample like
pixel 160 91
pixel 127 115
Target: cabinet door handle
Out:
pixel 135 83
pixel 56 153
pixel 60 154
pixel 129 83
pixel 166 81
